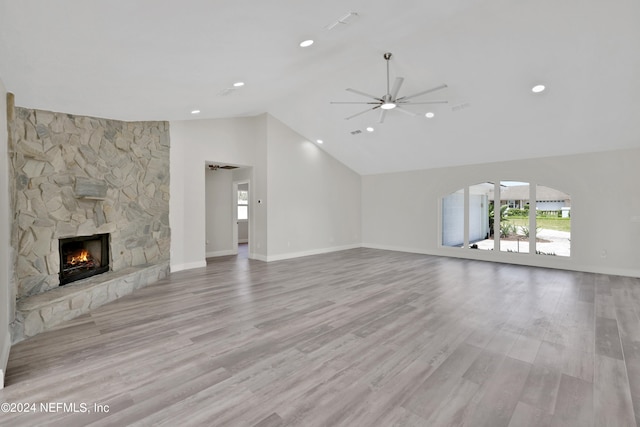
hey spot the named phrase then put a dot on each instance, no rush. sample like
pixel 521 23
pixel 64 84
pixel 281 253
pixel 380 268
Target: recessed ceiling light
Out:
pixel 429 115
pixel 306 43
pixel 319 141
pixel 195 112
pixel 370 129
pixel 537 88
pixel 388 106
pixel 238 84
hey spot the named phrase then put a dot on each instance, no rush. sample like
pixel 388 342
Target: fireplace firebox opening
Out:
pixel 83 256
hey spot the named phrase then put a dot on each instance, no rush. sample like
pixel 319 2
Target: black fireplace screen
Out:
pixel 82 257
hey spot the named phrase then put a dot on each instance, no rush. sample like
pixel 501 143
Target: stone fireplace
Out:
pixel 75 177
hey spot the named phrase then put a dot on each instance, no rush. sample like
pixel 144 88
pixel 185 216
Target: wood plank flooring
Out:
pixel 361 337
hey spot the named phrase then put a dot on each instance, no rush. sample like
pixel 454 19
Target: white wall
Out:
pixel 219 213
pixel 242 174
pixel 309 202
pixel 605 208
pixel 240 141
pixel 6 298
pixel 453 219
pixel 243 231
pixel 314 200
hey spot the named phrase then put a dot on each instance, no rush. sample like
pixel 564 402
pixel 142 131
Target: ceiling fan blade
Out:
pixel 404 98
pixel 396 87
pixel 348 102
pixel 383 114
pixel 362 112
pixel 425 102
pixel 407 112
pixel 364 94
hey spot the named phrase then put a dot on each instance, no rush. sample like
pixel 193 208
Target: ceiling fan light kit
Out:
pixel 391 101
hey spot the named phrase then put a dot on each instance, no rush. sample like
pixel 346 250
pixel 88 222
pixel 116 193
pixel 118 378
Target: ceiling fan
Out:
pixel 390 100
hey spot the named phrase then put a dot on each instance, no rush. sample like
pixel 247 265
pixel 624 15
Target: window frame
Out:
pixel 533 250
pixel 239 204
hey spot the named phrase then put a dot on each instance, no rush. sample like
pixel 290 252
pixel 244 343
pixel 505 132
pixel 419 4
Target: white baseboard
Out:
pixel 5 347
pixel 221 253
pixel 625 272
pixel 188 266
pixel 396 248
pixel 531 260
pixel 258 257
pixel 290 255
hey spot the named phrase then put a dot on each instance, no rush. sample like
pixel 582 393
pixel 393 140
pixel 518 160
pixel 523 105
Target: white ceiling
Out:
pixel 158 60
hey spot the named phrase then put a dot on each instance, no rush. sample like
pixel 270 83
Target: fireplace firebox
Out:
pixel 83 256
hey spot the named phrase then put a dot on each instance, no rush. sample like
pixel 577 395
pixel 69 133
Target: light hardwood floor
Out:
pixel 355 338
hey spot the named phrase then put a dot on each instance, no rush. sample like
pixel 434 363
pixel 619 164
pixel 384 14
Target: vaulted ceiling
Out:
pixel 159 60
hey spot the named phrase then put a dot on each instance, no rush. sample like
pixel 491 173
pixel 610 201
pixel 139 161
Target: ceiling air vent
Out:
pixel 460 106
pixel 344 20
pixel 355 132
pixel 226 91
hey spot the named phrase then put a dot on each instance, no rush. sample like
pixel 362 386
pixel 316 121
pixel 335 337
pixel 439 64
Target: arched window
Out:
pixel 513 216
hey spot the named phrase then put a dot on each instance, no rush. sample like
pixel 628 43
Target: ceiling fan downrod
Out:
pixel 387 57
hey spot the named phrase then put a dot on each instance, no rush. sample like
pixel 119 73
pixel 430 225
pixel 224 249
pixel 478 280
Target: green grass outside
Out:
pixel 559 224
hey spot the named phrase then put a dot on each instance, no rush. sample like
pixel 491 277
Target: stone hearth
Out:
pixel 44 311
pixel 78 176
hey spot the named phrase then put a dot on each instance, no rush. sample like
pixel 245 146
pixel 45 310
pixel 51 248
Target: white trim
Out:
pixel 290 255
pixel 397 249
pixel 222 253
pixel 258 257
pixel 626 272
pixel 234 216
pixel 560 263
pixel 5 348
pixel 187 266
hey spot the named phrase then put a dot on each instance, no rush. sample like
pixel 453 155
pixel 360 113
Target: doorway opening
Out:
pixel 227 210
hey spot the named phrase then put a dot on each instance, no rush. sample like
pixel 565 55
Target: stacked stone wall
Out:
pixel 78 176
